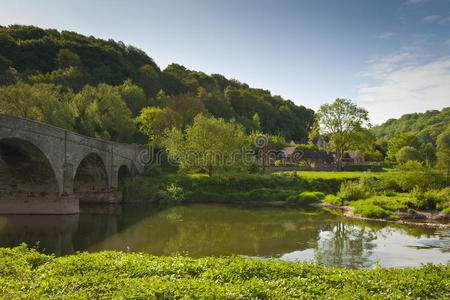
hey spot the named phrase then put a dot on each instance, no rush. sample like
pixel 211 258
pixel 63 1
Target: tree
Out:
pixel 66 58
pixel 257 120
pixel 428 153
pixel 399 141
pixel 408 153
pixel 208 143
pixel 101 112
pixel 443 147
pixel 153 121
pixel 186 106
pixel 41 102
pixel 133 96
pixel 343 123
pixel 149 80
pixel 265 146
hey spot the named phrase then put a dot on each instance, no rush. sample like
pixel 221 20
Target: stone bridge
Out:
pixel 49 170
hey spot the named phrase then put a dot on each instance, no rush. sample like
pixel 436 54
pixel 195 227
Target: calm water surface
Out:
pixel 207 229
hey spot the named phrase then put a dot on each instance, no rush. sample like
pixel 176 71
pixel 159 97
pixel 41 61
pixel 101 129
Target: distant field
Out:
pixel 323 174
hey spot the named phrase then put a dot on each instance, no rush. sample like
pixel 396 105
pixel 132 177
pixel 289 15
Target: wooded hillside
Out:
pixel 427 125
pixel 70 80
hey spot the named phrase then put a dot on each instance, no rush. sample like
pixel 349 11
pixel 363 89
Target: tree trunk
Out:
pixel 339 156
pixel 263 163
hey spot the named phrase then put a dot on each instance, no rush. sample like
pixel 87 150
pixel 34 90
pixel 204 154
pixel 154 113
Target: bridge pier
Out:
pixel 65 205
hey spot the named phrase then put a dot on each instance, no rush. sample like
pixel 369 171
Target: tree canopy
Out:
pixel 343 123
pixel 70 61
pixel 208 143
pixel 427 126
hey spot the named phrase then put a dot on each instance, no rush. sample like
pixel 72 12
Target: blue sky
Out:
pixel 391 57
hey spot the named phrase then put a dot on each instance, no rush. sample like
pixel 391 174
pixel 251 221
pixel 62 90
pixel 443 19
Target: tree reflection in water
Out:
pixel 346 244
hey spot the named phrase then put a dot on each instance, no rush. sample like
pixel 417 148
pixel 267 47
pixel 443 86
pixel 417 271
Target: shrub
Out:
pixel 303 164
pixel 351 190
pixel 444 196
pixel 278 163
pixel 172 194
pixel 430 199
pixel 373 211
pixel 369 183
pixel 332 199
pixel 307 197
pixel 426 179
pixel 411 165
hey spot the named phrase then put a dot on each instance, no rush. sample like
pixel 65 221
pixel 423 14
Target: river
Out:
pixel 286 233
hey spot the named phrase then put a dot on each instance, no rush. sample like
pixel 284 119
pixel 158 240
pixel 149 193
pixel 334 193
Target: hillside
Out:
pixel 426 125
pixel 75 72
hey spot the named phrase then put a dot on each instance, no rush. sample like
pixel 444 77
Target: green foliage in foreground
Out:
pixel 26 273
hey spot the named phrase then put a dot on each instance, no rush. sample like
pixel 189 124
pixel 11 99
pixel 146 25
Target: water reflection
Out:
pixel 200 230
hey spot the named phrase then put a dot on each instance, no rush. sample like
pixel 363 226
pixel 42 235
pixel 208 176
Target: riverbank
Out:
pixel 26 273
pixel 394 195
pixel 404 218
pixel 225 187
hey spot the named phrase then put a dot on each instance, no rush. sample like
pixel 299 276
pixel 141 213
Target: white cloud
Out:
pixel 444 21
pixel 431 19
pixel 405 86
pixel 415 1
pixel 386 35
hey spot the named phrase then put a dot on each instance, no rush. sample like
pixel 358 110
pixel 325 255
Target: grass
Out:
pixel 28 274
pixel 344 174
pixel 227 186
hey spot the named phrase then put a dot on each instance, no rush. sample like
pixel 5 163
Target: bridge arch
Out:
pixel 91 178
pixel 123 173
pixel 26 172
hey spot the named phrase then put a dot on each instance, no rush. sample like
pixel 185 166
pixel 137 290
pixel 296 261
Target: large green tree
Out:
pixel 153 121
pixel 408 153
pixel 343 122
pixel 208 143
pixel 101 112
pixel 41 102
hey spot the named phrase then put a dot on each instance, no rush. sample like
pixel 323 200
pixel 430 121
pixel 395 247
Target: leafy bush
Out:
pixel 426 179
pixel 172 194
pixel 372 211
pixel 352 190
pixel 411 165
pixel 278 163
pixel 309 197
pixel 369 183
pixel 431 199
pixel 332 199
pixel 408 153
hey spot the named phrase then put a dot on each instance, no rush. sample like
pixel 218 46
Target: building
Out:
pixel 290 155
pixel 353 157
pixel 316 159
